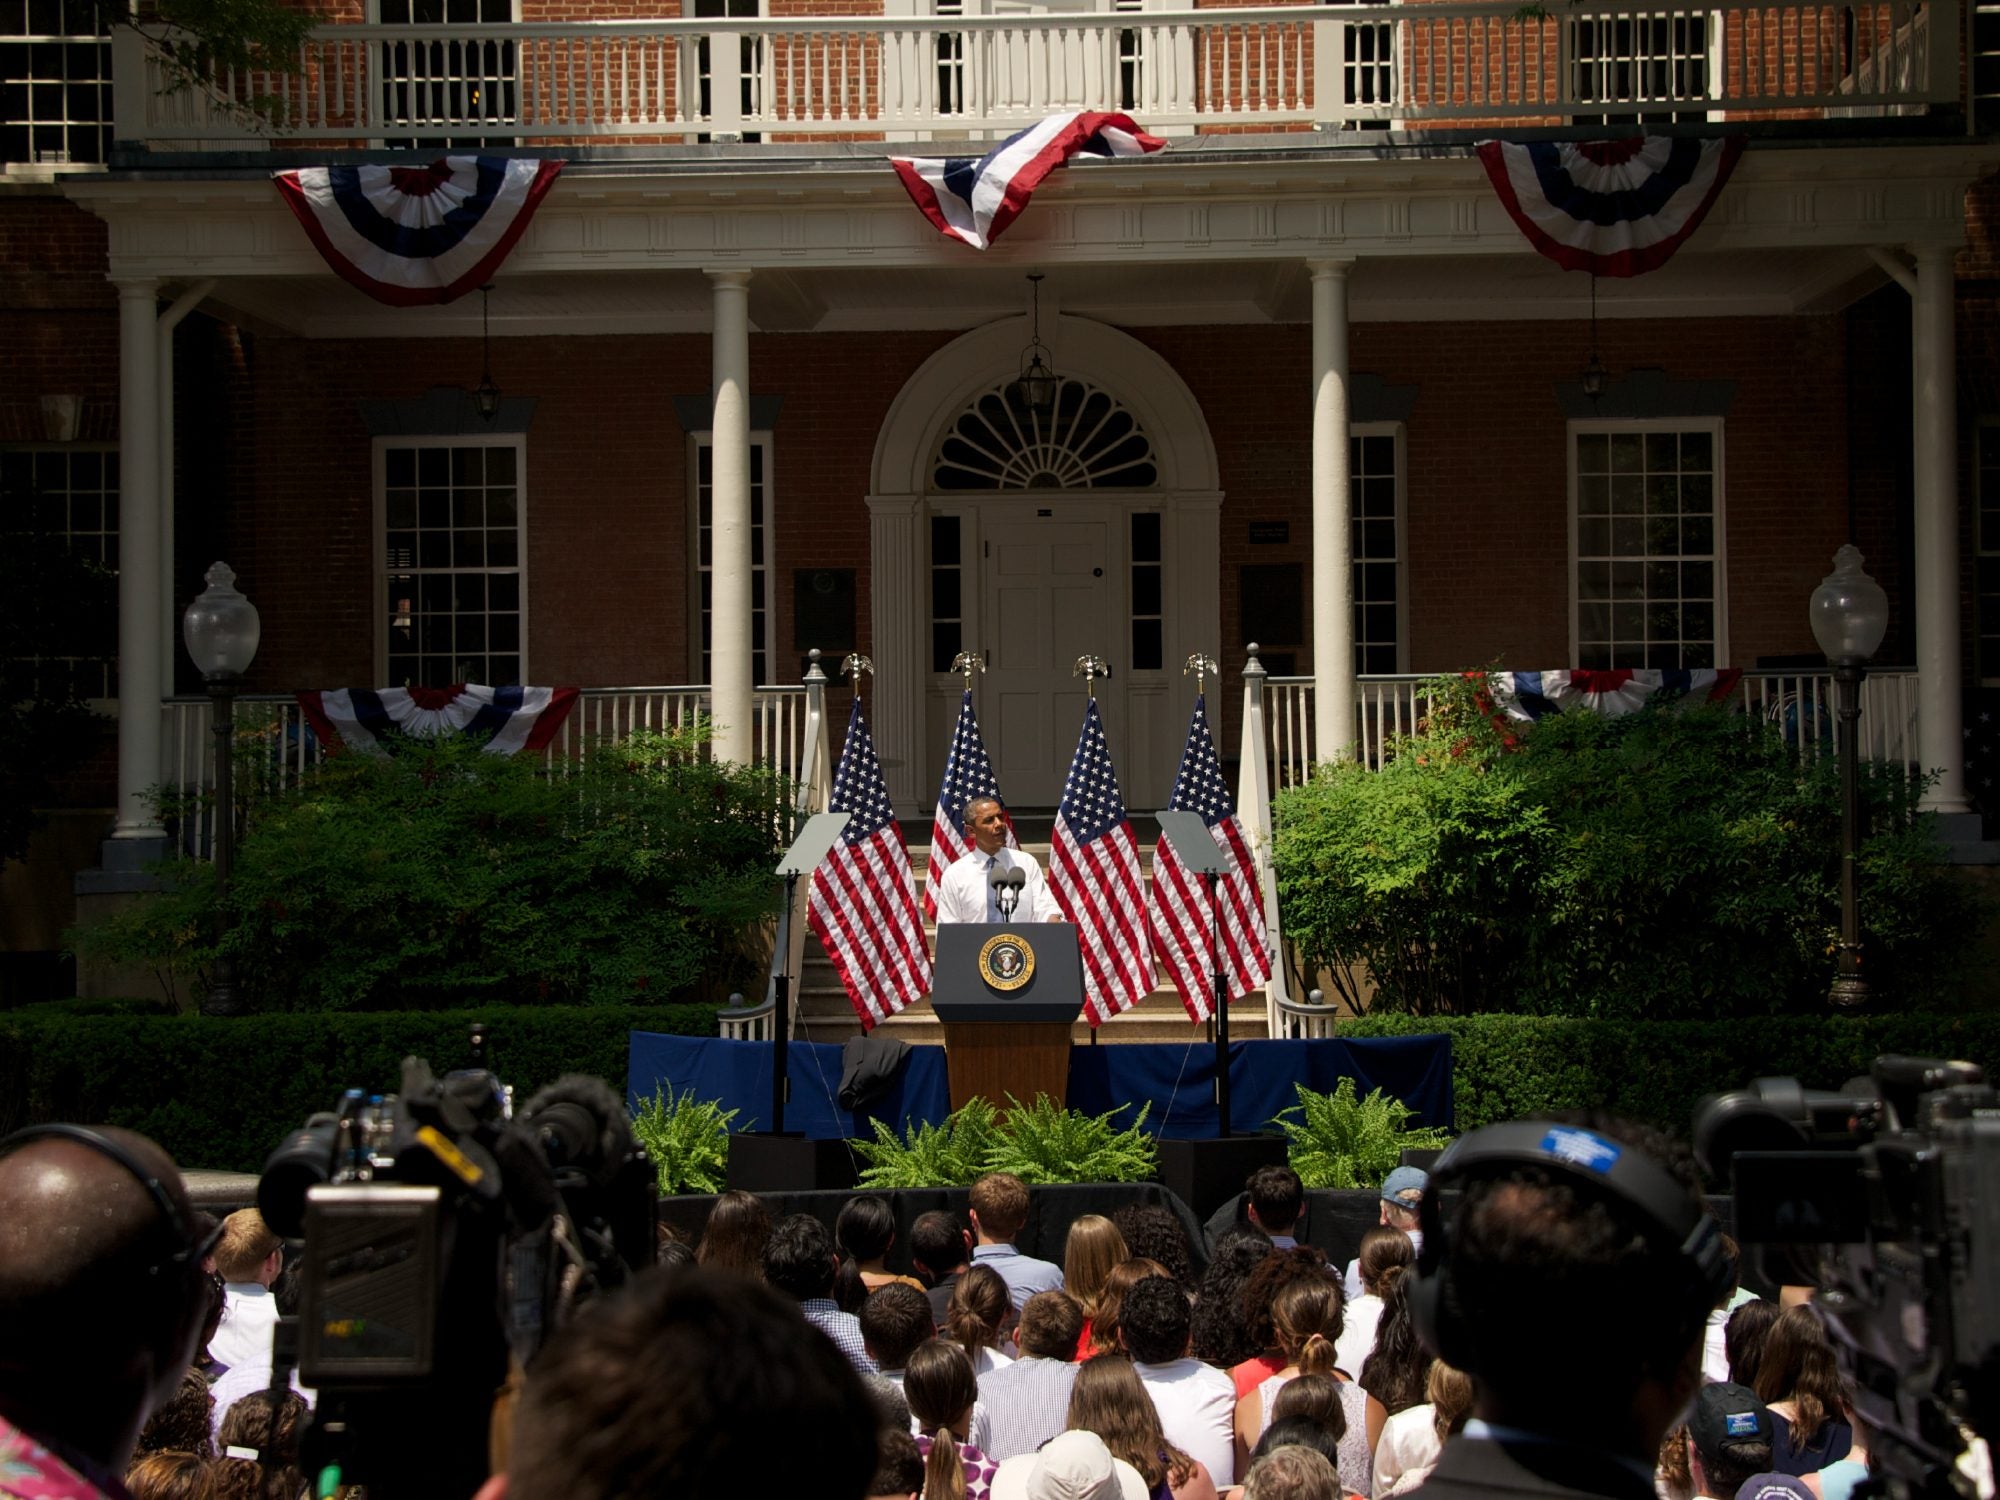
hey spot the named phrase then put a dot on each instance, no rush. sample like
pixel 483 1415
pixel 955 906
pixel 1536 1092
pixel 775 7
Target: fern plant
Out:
pixel 1042 1142
pixel 1339 1141
pixel 949 1155
pixel 687 1139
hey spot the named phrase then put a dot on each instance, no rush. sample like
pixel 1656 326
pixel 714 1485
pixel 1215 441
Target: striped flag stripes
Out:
pixel 864 899
pixel 968 775
pixel 1181 923
pixel 1094 874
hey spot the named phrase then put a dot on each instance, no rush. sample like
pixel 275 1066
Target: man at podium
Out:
pixel 965 892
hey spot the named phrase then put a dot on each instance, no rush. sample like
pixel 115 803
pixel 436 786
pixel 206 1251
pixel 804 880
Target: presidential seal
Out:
pixel 1006 962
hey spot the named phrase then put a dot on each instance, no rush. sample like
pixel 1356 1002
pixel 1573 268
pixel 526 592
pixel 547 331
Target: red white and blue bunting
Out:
pixel 1613 208
pixel 413 236
pixel 508 719
pixel 1619 690
pixel 975 199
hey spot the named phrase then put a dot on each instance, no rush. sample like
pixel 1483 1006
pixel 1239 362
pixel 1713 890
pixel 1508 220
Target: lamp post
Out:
pixel 220 628
pixel 1850 614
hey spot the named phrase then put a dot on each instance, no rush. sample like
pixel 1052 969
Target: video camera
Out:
pixel 446 1236
pixel 1885 1196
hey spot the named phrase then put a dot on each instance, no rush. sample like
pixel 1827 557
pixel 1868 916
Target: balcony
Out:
pixel 963 79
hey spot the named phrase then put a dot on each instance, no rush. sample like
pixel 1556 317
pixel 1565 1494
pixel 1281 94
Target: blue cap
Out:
pixel 1405 1186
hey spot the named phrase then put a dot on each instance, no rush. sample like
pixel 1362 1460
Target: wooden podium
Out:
pixel 1008 997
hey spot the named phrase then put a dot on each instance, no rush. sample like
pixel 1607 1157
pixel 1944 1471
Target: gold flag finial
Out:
pixel 1201 666
pixel 966 663
pixel 1090 668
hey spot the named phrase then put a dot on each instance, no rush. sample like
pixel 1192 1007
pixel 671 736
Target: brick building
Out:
pixel 1310 316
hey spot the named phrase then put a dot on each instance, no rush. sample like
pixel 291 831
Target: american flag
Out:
pixel 1094 873
pixel 864 901
pixel 968 773
pixel 1181 925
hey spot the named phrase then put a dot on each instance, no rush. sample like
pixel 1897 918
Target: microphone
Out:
pixel 1011 897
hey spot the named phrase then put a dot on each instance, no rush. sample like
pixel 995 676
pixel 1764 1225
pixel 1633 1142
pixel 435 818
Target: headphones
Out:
pixel 180 1250
pixel 1603 1169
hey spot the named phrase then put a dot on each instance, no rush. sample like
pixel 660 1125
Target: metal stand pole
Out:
pixel 1850 990
pixel 221 999
pixel 781 1010
pixel 1221 999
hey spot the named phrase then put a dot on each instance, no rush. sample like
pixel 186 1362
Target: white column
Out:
pixel 731 674
pixel 897 591
pixel 1332 545
pixel 1940 708
pixel 169 321
pixel 139 617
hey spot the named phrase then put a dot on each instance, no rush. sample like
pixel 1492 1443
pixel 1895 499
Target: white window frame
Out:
pixel 775 654
pixel 1714 426
pixel 64 160
pixel 1398 433
pixel 379 594
pixel 108 527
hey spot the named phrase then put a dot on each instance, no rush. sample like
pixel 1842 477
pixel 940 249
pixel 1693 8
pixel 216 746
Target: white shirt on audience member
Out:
pixel 1197 1407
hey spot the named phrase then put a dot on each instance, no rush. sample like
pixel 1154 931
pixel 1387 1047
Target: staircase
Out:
pixel 825 1015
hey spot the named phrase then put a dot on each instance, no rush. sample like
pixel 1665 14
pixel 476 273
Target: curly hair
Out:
pixel 1111 1301
pixel 269 1427
pixel 1155 1233
pixel 1223 1334
pixel 1276 1272
pixel 185 1423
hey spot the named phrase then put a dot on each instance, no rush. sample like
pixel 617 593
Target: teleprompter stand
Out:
pixel 778 1160
pixel 1206 1174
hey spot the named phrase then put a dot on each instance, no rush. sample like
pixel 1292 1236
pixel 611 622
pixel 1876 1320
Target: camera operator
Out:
pixel 694 1384
pixel 1571 1270
pixel 102 1299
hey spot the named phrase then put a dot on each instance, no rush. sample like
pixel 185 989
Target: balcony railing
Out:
pixel 961 77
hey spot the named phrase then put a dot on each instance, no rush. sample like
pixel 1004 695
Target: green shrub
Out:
pixel 1662 863
pixel 446 876
pixel 1039 1143
pixel 687 1140
pixel 1339 1141
pixel 1511 1067
pixel 222 1093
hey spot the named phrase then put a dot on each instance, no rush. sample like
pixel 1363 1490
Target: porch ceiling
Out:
pixel 1416 288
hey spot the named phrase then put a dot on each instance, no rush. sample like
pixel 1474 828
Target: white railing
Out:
pixel 894 77
pixel 275 745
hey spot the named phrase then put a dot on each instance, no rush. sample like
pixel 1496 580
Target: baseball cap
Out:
pixel 1405 1186
pixel 1773 1487
pixel 1069 1466
pixel 1726 1412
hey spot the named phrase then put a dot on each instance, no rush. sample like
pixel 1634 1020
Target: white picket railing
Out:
pixel 275 745
pixel 1274 66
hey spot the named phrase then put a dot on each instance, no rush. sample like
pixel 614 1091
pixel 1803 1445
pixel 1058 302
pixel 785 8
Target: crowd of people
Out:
pixel 786 1355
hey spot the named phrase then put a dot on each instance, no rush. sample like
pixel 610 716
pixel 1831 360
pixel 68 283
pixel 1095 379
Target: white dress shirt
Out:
pixel 964 896
pixel 1197 1407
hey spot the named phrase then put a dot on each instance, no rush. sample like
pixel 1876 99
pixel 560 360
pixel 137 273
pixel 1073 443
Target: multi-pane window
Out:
pixel 704 551
pixel 68 496
pixel 1645 59
pixel 1376 529
pixel 55 83
pixel 947 591
pixel 1149 608
pixel 1647 543
pixel 461 84
pixel 452 575
pixel 1987 478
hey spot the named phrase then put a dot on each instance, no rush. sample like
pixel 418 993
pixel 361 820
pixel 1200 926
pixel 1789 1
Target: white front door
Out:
pixel 1047 597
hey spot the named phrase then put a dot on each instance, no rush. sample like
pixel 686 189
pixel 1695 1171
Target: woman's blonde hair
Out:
pixel 1449 1391
pixel 1093 1247
pixel 1110 1400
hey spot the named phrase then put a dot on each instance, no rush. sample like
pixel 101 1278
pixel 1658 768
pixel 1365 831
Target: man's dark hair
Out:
pixel 1154 1321
pixel 1527 1239
pixel 798 1258
pixel 1733 1461
pixel 899 1464
pixel 894 1320
pixel 1051 1323
pixel 1297 1432
pixel 1277 1195
pixel 684 1384
pixel 938 1241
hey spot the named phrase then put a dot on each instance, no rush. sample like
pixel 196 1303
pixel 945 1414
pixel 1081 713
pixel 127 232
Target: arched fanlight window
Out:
pixel 1089 441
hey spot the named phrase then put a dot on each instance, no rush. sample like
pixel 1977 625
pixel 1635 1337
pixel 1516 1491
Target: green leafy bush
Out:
pixel 446 876
pixel 1338 1141
pixel 687 1139
pixel 1512 1067
pixel 952 1154
pixel 1040 1143
pixel 222 1093
pixel 1663 863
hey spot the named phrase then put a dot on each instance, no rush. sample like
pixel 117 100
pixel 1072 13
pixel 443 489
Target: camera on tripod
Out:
pixel 1885 1196
pixel 445 1237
